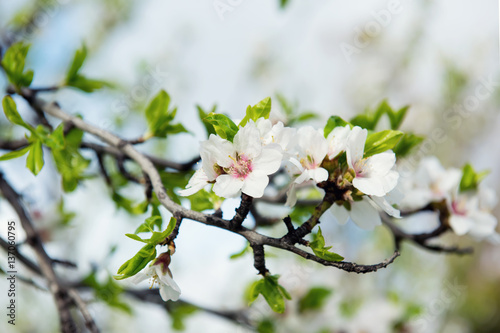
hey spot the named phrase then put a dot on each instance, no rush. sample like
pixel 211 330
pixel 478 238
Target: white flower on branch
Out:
pixel 240 166
pixel 310 150
pixel 373 175
pixel 159 273
pixel 471 213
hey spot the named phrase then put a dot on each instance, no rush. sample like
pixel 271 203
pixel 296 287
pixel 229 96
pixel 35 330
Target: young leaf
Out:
pixel 15 154
pixel 407 143
pixel 75 80
pixel 334 121
pixel 135 264
pixel 396 117
pixel 259 110
pixel 381 141
pixel 13 63
pixel 34 161
pixel 159 117
pixel 319 249
pixel 470 178
pixel 223 125
pixel 314 299
pixel 202 114
pixel 10 110
pixel 273 293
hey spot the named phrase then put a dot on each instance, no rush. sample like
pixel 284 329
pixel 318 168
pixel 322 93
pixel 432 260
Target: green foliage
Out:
pixel 273 293
pixel 470 178
pixel 266 326
pixel 259 110
pixel 160 118
pixel 128 205
pixel 240 254
pixel 319 248
pixel 10 110
pixel 15 154
pixel 13 63
pixel 34 161
pixel 334 121
pixel 173 180
pixel 148 252
pixel 407 143
pixel 223 125
pixel 68 160
pixel 203 114
pixel 350 307
pixel 381 141
pixel 293 116
pixel 66 216
pixel 151 222
pixel 108 292
pixel 299 213
pixel 370 118
pixel 179 312
pixel 283 4
pixel 204 200
pixel 135 264
pixel 314 299
pixel 76 80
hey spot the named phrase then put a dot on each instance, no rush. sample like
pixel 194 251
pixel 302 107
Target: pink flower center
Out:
pixel 459 207
pixel 360 168
pixel 241 167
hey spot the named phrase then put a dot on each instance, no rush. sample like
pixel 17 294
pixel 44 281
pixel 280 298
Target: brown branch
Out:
pixel 259 259
pixel 59 292
pixel 422 239
pixel 149 168
pixel 242 211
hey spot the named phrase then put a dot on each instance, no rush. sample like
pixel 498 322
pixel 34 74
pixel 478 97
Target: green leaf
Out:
pixel 13 63
pixel 179 312
pixel 159 237
pixel 135 264
pixel 314 300
pixel 470 178
pixel 266 326
pixel 407 143
pixel 223 125
pixel 334 121
pixel 108 292
pixel 204 200
pixel 271 290
pixel 151 222
pixel 159 117
pixel 240 254
pixel 15 154
pixel 381 141
pixel 76 64
pixel 34 161
pixel 202 114
pixel 396 117
pixel 76 80
pixel 135 237
pixel 10 110
pixel 259 110
pixel 319 249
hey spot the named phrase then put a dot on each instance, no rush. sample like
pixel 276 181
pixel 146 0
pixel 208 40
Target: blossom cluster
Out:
pixel 470 209
pixel 260 148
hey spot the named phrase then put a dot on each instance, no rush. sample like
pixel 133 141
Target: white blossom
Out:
pixel 240 166
pixel 373 175
pixel 310 151
pixel 337 141
pixel 471 213
pixel 160 274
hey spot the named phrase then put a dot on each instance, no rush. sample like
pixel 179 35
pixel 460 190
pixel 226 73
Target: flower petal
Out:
pixel 460 224
pixel 318 175
pixel 386 206
pixel 268 162
pixel 365 215
pixel 169 290
pixel 198 181
pixel 356 145
pixel 484 225
pixel 255 184
pixel 227 186
pixel 247 141
pixel 341 214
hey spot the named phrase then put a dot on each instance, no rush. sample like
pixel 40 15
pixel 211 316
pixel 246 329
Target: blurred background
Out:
pixel 329 57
